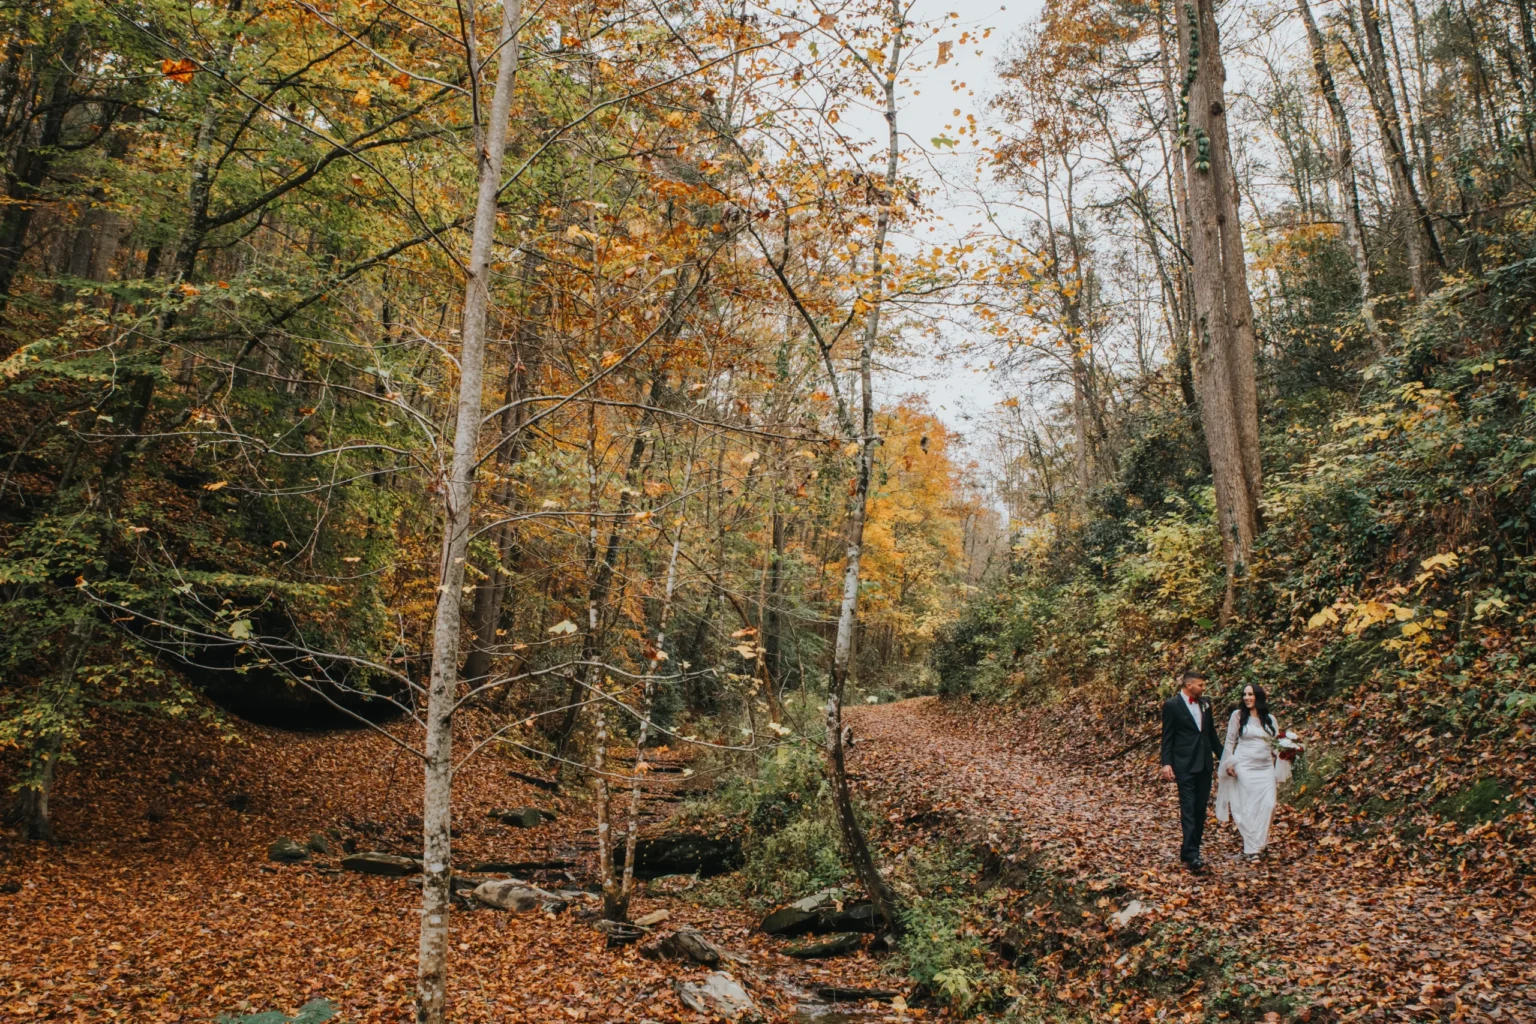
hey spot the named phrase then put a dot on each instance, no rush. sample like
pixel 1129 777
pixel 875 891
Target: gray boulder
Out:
pixel 853 917
pixel 319 843
pixel 517 896
pixel 381 864
pixel 718 995
pixel 519 817
pixel 286 851
pixel 684 944
pixel 688 944
pixel 801 916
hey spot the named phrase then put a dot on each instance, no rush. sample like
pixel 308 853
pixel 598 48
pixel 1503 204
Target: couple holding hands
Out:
pixel 1254 761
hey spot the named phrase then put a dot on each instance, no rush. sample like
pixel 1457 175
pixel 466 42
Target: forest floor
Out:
pixel 1316 922
pixel 159 903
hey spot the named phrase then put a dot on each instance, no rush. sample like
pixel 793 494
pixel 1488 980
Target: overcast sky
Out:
pixel 929 100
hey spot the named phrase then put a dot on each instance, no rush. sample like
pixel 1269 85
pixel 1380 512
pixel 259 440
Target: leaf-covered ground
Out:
pixel 1320 922
pixel 160 904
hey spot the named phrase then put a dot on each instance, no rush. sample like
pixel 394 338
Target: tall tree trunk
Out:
pixel 1418 231
pixel 32 164
pixel 490 596
pixel 617 893
pixel 880 892
pixel 1225 343
pixel 772 654
pixel 1344 165
pixel 1183 292
pixel 458 507
pixel 32 800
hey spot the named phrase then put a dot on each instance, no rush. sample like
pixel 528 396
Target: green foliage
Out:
pixel 316 1011
pixel 1393 591
pixel 936 948
pixel 1485 800
pixel 802 858
pixel 793 847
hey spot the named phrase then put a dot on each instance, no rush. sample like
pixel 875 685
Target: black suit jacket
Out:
pixel 1188 750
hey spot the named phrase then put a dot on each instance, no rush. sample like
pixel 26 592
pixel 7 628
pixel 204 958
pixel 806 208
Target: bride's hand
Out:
pixel 1232 770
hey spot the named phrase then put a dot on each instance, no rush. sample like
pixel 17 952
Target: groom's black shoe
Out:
pixel 1196 866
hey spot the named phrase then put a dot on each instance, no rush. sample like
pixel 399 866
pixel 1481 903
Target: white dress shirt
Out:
pixel 1194 710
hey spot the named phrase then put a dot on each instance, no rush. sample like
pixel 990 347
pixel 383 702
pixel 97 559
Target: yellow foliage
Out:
pixel 913 562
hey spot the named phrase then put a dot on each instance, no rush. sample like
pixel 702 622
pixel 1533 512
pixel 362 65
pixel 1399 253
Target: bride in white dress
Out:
pixel 1249 771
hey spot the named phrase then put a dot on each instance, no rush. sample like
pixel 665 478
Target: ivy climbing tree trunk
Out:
pixel 458 507
pixel 1224 340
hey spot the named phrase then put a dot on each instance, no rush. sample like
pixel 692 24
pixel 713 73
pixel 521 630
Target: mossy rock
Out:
pixel 833 945
pixel 287 851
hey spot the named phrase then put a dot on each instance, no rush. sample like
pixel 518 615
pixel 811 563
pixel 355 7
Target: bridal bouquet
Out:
pixel 1287 746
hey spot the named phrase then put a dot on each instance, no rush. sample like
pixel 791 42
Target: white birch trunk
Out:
pixel 854 844
pixel 459 491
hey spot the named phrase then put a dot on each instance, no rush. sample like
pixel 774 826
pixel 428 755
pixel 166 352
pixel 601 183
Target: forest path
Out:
pixel 1315 919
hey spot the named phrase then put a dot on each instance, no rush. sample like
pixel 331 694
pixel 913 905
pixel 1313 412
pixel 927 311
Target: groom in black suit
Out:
pixel 1189 754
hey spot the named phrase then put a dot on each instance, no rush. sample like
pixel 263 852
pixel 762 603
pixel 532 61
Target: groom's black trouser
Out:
pixel 1194 800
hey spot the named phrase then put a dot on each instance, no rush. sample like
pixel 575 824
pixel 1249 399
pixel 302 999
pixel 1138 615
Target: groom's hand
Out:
pixel 1167 773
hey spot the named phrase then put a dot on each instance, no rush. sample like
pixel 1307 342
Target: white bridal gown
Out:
pixel 1249 799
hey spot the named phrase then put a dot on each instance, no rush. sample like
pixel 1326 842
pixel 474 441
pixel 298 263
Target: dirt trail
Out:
pixel 1316 919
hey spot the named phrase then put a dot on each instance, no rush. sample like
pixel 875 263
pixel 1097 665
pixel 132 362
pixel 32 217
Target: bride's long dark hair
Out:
pixel 1260 708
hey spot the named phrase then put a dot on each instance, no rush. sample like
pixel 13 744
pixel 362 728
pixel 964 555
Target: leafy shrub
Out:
pixel 935 949
pixel 792 843
pixel 800 859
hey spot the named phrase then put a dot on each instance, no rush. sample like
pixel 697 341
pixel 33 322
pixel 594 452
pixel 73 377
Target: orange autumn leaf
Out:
pixel 178 70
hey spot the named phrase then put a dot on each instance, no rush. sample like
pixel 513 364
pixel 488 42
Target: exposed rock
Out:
pixel 824 913
pixel 718 995
pixel 375 863
pixel 687 944
pixel 681 854
pixel 286 851
pixel 672 884
pixel 653 919
pixel 518 817
pixel 517 896
pixel 832 945
pixel 853 917
pixel 1133 910
pixel 319 843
